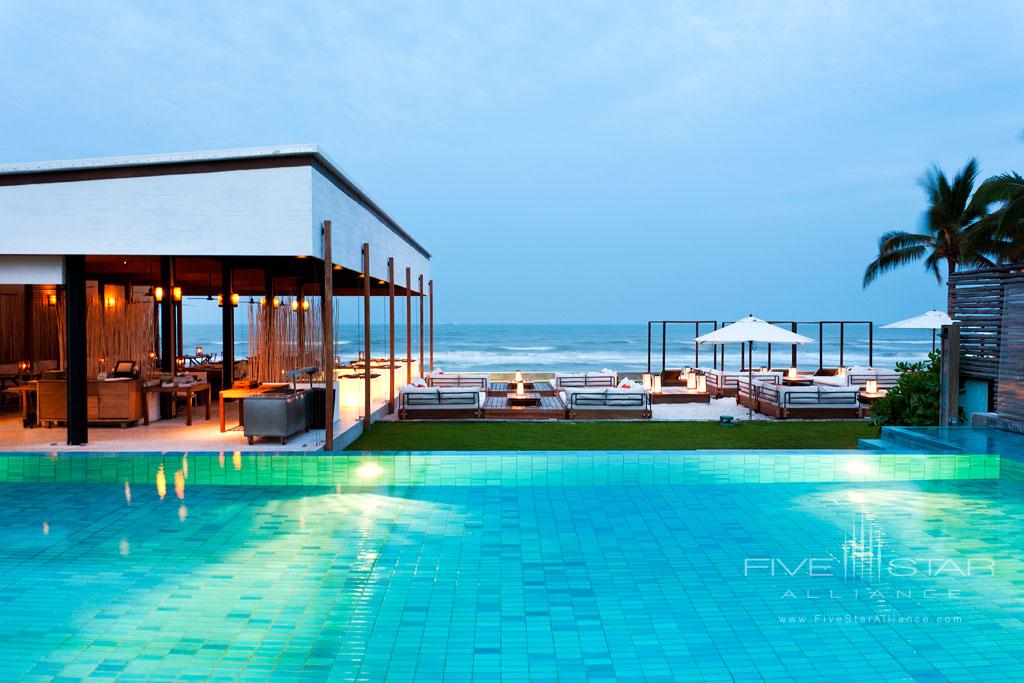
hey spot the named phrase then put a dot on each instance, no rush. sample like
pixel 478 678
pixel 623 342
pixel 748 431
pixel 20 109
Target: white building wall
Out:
pixel 351 226
pixel 252 212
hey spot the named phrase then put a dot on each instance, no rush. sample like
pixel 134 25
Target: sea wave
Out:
pixel 527 348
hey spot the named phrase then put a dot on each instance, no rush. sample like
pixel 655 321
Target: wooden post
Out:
pixel 300 327
pixel 366 335
pixel 792 359
pixel 227 319
pixel 431 288
pixel 664 345
pixel 327 316
pixel 168 360
pixel 871 344
pixel 179 328
pixel 268 320
pixel 648 346
pixel 408 326
pixel 423 360
pixel 842 343
pixel 28 348
pixel 391 333
pixel 76 346
pixel 696 346
pixel 821 345
pixel 949 394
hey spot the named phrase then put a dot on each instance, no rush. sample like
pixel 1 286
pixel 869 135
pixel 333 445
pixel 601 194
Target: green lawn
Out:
pixel 572 436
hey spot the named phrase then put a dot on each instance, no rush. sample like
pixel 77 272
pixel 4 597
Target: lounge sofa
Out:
pixel 802 402
pixel 607 403
pixel 418 402
pixel 584 379
pixel 463 380
pixel 722 383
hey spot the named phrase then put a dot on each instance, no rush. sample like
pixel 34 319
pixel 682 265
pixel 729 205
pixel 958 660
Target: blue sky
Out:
pixel 633 160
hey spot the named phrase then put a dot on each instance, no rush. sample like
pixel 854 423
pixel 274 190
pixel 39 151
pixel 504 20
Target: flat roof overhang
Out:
pixel 185 163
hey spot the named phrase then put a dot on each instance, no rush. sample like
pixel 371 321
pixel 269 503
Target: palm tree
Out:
pixel 1006 224
pixel 950 230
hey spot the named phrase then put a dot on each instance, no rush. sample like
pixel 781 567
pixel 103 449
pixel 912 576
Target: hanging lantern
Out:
pixel 177 293
pixel 158 294
pixel 234 298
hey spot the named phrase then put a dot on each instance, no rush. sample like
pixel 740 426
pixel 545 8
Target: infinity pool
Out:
pixel 598 566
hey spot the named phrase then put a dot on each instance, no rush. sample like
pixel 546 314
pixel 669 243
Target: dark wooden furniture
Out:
pixel 107 401
pixel 189 390
pixel 241 393
pixel 527 398
pixel 867 400
pixel 546 408
pixel 505 388
pixel 797 381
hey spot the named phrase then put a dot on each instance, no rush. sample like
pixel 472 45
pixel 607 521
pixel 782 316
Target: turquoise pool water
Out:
pixel 598 566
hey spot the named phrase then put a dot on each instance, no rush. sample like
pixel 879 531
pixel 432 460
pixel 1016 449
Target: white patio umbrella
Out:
pixel 750 330
pixel 931 320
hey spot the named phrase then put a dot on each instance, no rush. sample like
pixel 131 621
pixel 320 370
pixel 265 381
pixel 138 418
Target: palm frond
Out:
pixel 891 260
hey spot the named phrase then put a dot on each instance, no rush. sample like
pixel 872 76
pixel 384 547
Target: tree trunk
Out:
pixel 950 269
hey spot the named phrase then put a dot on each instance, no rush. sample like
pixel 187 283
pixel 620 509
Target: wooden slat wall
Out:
pixel 1011 357
pixel 979 302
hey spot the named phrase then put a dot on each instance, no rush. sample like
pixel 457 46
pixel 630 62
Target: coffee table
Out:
pixel 527 398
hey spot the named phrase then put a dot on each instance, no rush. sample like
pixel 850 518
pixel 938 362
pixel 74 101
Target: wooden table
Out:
pixel 241 393
pixel 867 400
pixel 26 394
pixel 509 388
pixel 797 382
pixel 527 398
pixel 188 389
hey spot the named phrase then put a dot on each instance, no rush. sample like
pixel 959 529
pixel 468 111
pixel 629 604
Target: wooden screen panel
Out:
pixel 1011 357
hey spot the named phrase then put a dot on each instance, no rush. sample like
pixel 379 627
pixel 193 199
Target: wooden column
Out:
pixel 792 360
pixel 327 316
pixel 366 336
pixel 408 326
pixel 76 346
pixel 949 394
pixel 648 346
pixel 423 364
pixel 179 327
pixel 430 286
pixel 391 332
pixel 227 326
pixel 28 345
pixel 167 335
pixel 842 343
pixel 871 344
pixel 300 327
pixel 268 317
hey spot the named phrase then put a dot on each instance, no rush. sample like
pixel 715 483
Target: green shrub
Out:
pixel 914 401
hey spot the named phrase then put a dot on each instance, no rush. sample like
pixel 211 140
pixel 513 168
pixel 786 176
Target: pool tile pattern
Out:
pixel 628 569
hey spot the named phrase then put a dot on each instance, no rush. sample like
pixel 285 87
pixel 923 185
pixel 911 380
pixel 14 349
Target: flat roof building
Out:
pixel 99 246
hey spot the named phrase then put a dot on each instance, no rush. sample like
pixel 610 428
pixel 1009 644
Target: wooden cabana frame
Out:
pixel 746 358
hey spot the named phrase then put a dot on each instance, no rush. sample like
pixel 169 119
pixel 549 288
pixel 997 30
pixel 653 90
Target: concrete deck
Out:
pixel 174 435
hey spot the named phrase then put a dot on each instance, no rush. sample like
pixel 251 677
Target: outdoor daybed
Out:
pixel 722 383
pixel 800 402
pixel 456 379
pixel 597 403
pixel 418 402
pixel 584 379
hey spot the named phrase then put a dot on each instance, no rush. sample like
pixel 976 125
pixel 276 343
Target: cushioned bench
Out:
pixel 584 379
pixel 439 402
pixel 802 402
pixel 722 383
pixel 606 404
pixel 458 380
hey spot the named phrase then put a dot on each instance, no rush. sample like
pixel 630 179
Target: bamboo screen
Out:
pixel 46 342
pixel 278 341
pixel 118 327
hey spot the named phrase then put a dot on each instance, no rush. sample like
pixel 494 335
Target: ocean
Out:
pixel 495 348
